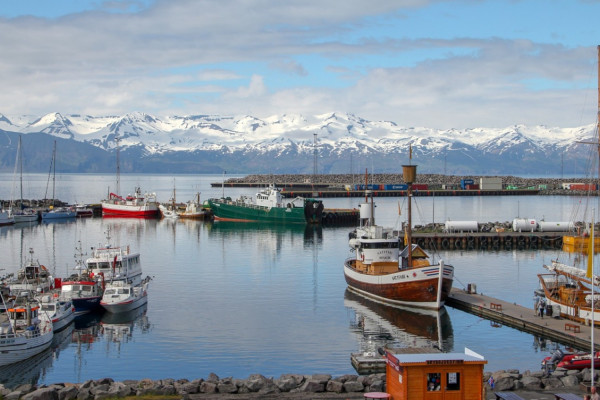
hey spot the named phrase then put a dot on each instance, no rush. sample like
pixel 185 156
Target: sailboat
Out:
pixel 21 214
pixel 57 212
pixel 570 289
pixel 380 270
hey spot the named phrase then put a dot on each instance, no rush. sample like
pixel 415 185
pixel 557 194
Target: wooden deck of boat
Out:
pixel 562 330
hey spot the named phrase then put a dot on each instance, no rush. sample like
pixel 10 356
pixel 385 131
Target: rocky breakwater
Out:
pixel 254 386
pixel 292 386
pixel 560 379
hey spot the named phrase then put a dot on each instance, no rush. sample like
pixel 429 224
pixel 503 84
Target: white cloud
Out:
pixel 186 57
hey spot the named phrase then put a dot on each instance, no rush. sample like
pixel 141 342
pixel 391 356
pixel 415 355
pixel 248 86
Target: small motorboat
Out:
pixel 121 296
pixel 570 360
pixel 59 311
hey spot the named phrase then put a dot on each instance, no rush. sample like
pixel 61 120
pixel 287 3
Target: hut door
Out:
pixel 453 385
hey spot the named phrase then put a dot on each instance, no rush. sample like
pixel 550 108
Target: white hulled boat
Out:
pixel 32 277
pixel 115 263
pixel 121 296
pixel 59 312
pixel 23 333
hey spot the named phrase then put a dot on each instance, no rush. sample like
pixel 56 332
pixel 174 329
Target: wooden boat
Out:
pixel 267 206
pixel 379 270
pixel 194 209
pixel 23 333
pixel 567 289
pixel 121 296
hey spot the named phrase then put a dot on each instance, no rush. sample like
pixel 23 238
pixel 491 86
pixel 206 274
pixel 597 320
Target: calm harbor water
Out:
pixel 237 299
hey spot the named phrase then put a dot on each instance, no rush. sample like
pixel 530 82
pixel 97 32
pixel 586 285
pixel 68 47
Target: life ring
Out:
pixel 55 295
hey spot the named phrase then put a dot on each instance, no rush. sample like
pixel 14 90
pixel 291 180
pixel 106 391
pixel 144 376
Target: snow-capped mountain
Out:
pixel 288 144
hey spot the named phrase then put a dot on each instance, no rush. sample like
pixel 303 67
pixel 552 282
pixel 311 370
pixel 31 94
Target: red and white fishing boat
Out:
pixel 137 205
pixel 379 270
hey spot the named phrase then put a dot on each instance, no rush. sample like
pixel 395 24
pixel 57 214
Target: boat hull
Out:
pixel 134 211
pixel 84 305
pixel 58 215
pixel 127 305
pixel 415 287
pixel 226 211
pixel 18 348
pixel 20 218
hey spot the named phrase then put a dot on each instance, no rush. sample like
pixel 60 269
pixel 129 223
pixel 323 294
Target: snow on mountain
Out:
pixel 338 136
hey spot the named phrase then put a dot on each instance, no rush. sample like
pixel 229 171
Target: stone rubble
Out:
pixel 287 383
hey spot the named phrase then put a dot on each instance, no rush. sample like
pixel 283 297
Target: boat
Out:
pixel 23 333
pixel 380 270
pixel 194 209
pixel 83 288
pixel 570 360
pixel 33 277
pixel 269 206
pixel 21 214
pixel 572 291
pixel 136 205
pixel 56 212
pixel 122 296
pixel 83 211
pixel 168 212
pixel 58 311
pixel 568 291
pixel 114 263
pixel 6 218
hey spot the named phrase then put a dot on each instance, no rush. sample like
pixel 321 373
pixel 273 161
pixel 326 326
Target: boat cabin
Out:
pixel 419 257
pixel 435 375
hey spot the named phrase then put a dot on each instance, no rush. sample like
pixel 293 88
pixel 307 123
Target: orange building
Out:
pixel 438 376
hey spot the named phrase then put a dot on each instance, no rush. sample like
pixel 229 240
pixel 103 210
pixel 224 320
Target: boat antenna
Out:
pixel 118 188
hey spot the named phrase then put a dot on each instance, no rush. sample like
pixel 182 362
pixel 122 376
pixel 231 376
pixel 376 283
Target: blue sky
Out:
pixel 438 64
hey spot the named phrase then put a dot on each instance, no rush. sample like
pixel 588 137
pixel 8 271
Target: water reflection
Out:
pixel 34 368
pixel 380 325
pixel 118 328
pixel 266 232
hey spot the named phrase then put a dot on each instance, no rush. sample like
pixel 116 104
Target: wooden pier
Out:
pixel 562 330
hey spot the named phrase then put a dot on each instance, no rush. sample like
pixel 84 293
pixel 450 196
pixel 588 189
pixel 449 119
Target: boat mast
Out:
pixel 118 188
pixel 409 173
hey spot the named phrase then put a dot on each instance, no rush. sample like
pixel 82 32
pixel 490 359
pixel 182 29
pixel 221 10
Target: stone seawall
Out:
pixel 286 386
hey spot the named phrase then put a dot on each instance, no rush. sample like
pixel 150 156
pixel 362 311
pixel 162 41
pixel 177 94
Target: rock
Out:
pixel 321 378
pixel 42 394
pixel 226 386
pixel 569 380
pixel 313 386
pixel 68 393
pixel 208 387
pixel 212 377
pixel 377 386
pixel 531 382
pixel 552 383
pixel 334 386
pixel 503 381
pixel 353 386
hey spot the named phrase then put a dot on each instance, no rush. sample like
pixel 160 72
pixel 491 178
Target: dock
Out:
pixel 499 312
pixel 558 329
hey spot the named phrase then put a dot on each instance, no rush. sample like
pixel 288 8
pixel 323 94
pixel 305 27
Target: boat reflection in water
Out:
pixel 118 328
pixel 266 230
pixel 31 369
pixel 381 325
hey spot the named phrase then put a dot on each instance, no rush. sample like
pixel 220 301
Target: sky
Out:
pixel 423 63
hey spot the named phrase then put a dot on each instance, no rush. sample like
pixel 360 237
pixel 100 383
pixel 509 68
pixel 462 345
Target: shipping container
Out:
pixel 490 183
pixel 583 186
pixel 419 186
pixel 395 186
pixel 472 187
pixel 466 182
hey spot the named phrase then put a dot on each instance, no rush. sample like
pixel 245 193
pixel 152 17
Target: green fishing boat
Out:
pixel 268 206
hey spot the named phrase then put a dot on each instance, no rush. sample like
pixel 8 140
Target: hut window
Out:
pixel 453 381
pixel 433 381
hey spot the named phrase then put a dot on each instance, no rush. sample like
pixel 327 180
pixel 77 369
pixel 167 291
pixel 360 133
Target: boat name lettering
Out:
pixel 381 252
pixel 395 277
pixel 9 341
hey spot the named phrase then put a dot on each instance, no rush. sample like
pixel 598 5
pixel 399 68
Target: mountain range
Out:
pixel 287 144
